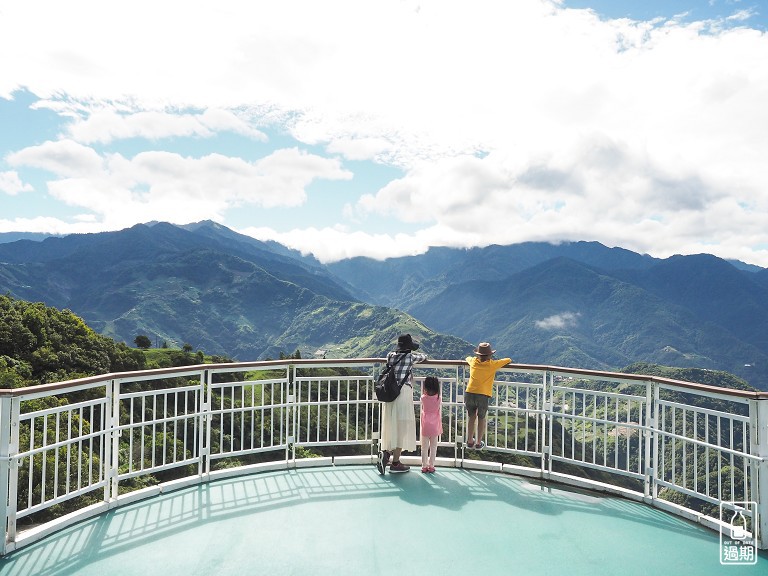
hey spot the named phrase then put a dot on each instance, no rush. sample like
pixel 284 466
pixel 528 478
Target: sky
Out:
pixel 381 128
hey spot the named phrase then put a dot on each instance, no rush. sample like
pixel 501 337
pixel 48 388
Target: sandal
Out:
pixel 424 469
pixel 480 445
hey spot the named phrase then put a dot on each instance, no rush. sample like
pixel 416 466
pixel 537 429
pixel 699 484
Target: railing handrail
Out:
pixel 180 370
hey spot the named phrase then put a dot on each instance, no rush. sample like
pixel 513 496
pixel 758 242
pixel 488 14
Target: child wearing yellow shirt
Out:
pixel 482 372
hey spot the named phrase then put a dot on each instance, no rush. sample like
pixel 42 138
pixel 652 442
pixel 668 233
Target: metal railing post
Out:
pixel 108 438
pixel 649 439
pixel 655 437
pixel 205 420
pixel 290 398
pixel 759 448
pixel 458 423
pixel 547 423
pixel 5 464
pixel 13 469
pixel 113 463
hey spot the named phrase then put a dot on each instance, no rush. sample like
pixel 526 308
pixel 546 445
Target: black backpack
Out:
pixel 387 387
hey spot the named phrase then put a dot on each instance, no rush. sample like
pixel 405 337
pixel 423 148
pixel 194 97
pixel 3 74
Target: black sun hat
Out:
pixel 405 342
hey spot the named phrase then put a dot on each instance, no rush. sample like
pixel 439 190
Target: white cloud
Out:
pixel 104 126
pixel 512 121
pixel 63 158
pixel 362 148
pixel 596 189
pixel 742 15
pixel 159 185
pixel 46 225
pixel 559 321
pixel 332 244
pixel 11 184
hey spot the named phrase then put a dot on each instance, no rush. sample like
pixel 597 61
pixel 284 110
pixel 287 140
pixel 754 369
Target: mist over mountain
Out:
pixel 577 304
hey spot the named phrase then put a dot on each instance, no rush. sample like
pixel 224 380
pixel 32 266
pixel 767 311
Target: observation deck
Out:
pixel 268 467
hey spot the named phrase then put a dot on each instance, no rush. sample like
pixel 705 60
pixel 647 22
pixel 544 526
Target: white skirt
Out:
pixel 399 422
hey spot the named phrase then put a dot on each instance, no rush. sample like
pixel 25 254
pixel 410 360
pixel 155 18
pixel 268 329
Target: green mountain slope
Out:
pixel 207 286
pixel 711 288
pixel 367 331
pixel 566 313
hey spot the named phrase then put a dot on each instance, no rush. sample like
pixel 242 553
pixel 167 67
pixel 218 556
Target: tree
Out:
pixel 142 342
pixel 39 344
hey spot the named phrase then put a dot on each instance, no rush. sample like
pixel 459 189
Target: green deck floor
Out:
pixel 350 520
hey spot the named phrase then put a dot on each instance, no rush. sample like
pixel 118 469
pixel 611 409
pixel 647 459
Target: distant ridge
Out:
pixel 6 237
pixel 383 281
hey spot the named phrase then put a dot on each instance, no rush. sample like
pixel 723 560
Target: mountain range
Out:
pixel 583 304
pixel 206 286
pixel 577 304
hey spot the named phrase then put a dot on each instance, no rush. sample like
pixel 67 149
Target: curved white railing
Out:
pixel 85 446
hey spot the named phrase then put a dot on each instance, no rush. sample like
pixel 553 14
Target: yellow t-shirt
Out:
pixel 482 374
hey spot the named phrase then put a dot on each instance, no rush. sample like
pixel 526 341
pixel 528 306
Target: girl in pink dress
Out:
pixel 431 422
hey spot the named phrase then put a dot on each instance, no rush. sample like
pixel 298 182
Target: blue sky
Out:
pixel 754 14
pixel 375 128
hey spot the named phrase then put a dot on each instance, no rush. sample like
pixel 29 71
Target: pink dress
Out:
pixel 431 416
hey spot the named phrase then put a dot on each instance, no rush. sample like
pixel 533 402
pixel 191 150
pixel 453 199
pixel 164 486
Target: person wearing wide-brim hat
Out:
pixel 482 372
pixel 398 429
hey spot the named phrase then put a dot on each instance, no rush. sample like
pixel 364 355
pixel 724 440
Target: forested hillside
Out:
pixel 40 344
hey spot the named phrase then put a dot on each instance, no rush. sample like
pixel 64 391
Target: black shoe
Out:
pixel 382 461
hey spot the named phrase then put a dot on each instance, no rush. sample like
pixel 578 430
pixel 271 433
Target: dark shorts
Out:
pixel 476 402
